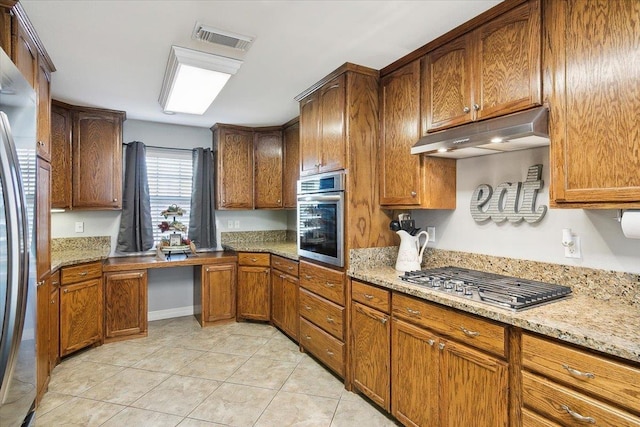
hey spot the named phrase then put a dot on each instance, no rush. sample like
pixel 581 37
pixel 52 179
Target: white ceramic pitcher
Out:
pixel 410 252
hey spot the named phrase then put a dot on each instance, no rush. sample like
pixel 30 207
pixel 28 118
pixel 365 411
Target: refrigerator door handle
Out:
pixel 18 260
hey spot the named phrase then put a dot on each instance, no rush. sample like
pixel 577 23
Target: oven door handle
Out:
pixel 320 198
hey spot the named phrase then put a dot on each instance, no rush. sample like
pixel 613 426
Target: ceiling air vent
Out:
pixel 209 34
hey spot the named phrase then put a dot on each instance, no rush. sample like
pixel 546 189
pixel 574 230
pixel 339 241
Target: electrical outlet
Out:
pixel 79 227
pixel 230 224
pixel 236 224
pixel 573 251
pixel 432 234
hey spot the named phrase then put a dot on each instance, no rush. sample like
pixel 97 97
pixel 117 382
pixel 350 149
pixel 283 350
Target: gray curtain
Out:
pixel 202 220
pixel 136 228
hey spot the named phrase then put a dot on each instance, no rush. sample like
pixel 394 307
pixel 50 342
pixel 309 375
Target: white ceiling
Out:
pixel 112 53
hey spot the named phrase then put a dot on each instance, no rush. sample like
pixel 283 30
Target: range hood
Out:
pixel 518 131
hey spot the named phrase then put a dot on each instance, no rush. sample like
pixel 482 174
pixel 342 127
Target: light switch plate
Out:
pixel 432 233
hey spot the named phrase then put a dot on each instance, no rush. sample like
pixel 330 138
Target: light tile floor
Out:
pixel 237 374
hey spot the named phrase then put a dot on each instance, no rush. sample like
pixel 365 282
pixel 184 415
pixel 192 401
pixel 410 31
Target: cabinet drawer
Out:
pixel 531 419
pixel 585 371
pixel 254 258
pixel 78 273
pixel 322 345
pixel 570 408
pixel 371 296
pixel 482 334
pixel 285 265
pixel 323 281
pixel 323 313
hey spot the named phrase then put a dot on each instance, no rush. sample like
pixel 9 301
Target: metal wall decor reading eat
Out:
pixel 501 205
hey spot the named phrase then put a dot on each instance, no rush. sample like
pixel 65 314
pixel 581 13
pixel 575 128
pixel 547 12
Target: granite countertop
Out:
pixel 599 325
pixel 284 249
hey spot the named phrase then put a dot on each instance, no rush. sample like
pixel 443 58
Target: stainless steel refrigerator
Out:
pixel 17 246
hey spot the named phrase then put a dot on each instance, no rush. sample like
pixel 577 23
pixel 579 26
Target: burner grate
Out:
pixel 494 289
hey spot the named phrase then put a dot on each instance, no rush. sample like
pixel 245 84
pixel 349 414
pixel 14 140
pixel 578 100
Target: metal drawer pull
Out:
pixel 441 346
pixel 413 312
pixel 277 262
pixel 330 319
pixel 367 296
pixel 384 320
pixel 84 273
pixel 53 301
pixel 290 268
pixel 282 276
pixel 308 337
pixel 253 259
pixel 469 333
pixel 330 353
pixel 578 374
pixel 307 307
pixel 431 342
pixel 66 291
pixel 330 285
pixel 306 276
pixel 577 416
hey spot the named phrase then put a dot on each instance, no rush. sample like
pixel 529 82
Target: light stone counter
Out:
pixel 284 249
pixel 610 325
pixel 78 250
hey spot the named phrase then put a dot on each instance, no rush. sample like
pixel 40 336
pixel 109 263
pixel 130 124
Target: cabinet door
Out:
pixel 414 375
pixel 42 336
pixel 310 135
pixel 474 388
pixel 26 57
pixel 277 298
pixel 332 112
pixel 235 169
pixel 44 111
pixel 125 303
pixel 399 131
pixel 291 166
pixel 268 156
pixel 371 357
pixel 218 292
pixel 254 301
pixel 290 312
pixel 507 75
pixel 80 315
pixel 43 219
pixel 97 160
pixel 60 157
pixel 54 321
pixel 446 85
pixel 594 119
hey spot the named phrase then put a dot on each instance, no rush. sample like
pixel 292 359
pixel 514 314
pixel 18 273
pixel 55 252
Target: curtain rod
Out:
pixel 164 148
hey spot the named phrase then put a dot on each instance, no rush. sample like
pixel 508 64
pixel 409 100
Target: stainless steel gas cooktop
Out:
pixel 493 289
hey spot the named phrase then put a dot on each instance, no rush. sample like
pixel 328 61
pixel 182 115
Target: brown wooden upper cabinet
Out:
pixel 267 157
pixel 291 163
pixel 591 82
pixel 233 150
pixel 491 71
pixel 87 157
pixel 408 180
pixel 322 120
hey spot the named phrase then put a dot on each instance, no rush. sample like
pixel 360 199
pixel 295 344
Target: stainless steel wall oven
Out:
pixel 321 218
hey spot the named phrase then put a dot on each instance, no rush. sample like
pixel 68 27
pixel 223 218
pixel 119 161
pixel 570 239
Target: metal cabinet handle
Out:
pixel 253 260
pixel 414 194
pixel 53 301
pixel 384 320
pixel 329 352
pixel 282 276
pixel 307 337
pixel 441 346
pixel 578 417
pixel 367 296
pixel 115 200
pixel 466 109
pixel 431 342
pixel 277 262
pixel 84 273
pixel 307 308
pixel 330 319
pixel 578 374
pixel 278 201
pixel 66 291
pixel 40 144
pixel 413 312
pixel 476 107
pixel 469 333
pixel 306 276
pixel 330 285
pixel 55 283
pixel 289 268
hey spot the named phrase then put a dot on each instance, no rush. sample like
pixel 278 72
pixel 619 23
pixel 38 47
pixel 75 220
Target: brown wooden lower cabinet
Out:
pixel 284 303
pixel 42 336
pixel 80 315
pixel 125 304
pixel 371 349
pixel 215 292
pixel 254 293
pixel 54 321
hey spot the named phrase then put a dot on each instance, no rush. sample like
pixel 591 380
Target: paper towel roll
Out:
pixel 631 224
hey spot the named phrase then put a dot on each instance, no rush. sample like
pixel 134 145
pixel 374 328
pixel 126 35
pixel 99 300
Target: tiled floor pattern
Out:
pixel 237 374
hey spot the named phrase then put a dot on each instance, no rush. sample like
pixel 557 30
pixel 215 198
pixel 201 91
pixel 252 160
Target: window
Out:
pixel 169 172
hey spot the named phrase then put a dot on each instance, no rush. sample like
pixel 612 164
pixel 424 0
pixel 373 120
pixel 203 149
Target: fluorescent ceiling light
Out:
pixel 193 79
